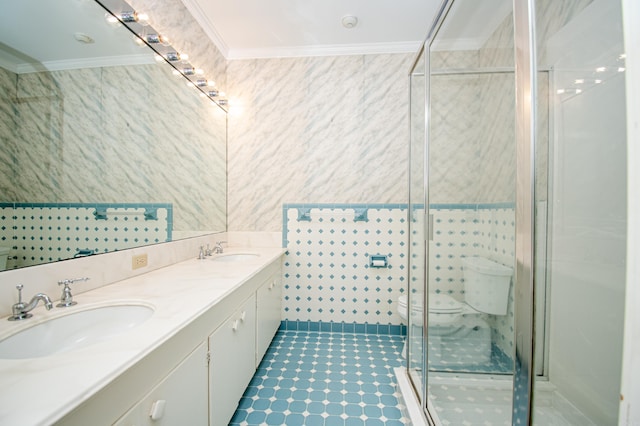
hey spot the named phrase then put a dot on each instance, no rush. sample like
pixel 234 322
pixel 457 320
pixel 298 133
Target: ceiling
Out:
pixel 286 28
pixel 52 38
pixel 283 28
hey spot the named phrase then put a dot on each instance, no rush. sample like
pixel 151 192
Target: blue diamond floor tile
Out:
pixel 322 378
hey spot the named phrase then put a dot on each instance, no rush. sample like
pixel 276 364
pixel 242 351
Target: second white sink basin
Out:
pixel 74 330
pixel 234 257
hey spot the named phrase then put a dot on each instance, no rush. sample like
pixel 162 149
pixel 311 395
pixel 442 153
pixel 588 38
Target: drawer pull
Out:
pixel 157 409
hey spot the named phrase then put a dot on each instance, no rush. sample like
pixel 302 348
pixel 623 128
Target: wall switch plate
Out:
pixel 139 261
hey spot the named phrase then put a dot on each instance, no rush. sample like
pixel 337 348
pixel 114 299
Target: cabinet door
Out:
pixel 268 314
pixel 232 348
pixel 180 399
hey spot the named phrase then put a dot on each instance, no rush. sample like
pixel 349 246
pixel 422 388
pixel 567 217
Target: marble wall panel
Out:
pixel 319 129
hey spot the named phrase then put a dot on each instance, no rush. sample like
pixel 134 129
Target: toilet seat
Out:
pixel 444 310
pixel 443 304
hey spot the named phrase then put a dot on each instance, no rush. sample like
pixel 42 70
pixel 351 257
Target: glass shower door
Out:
pixel 471 200
pixel 417 240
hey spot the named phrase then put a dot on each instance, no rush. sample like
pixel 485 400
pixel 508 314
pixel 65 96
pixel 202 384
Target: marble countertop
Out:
pixel 42 390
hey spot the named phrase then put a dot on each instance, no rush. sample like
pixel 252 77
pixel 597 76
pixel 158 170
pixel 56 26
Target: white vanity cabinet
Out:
pixel 232 347
pixel 268 306
pixel 199 374
pixel 180 399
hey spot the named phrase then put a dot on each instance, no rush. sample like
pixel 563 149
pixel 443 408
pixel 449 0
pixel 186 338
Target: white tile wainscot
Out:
pixel 119 379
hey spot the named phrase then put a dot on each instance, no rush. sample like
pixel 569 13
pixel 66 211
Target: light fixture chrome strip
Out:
pixel 525 73
pixel 120 12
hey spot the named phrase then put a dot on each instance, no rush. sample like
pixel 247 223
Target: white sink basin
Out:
pixel 75 330
pixel 234 257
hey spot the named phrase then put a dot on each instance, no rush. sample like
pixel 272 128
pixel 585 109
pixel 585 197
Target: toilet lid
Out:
pixel 443 303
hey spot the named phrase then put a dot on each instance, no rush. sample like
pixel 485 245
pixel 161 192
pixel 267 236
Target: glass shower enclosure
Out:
pixel 518 213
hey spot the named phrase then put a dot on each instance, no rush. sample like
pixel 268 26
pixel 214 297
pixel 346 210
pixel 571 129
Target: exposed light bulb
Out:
pixel 111 19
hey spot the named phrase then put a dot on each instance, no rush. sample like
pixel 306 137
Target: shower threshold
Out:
pixel 480 399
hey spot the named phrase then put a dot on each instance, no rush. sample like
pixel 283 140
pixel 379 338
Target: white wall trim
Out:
pixel 326 50
pixel 630 387
pixel 72 64
pixel 196 11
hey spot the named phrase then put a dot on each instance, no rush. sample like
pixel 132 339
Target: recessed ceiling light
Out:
pixel 349 21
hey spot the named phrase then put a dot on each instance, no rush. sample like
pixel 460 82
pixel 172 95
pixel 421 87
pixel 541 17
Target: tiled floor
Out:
pixel 471 401
pixel 325 379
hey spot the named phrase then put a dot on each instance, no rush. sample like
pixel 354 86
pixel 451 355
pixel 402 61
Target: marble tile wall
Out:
pixel 92 144
pixel 318 129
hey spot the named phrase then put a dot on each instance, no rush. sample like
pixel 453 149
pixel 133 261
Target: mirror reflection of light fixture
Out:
pixel 203 82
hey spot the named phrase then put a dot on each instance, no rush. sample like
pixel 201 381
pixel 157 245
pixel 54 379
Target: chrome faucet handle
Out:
pixel 19 287
pixel 66 299
pixel 219 249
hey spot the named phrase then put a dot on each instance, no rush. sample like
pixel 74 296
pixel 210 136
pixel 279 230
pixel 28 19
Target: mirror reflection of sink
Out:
pixel 234 257
pixel 74 330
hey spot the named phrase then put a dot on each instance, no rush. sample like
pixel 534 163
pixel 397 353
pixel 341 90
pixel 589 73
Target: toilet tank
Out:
pixel 486 285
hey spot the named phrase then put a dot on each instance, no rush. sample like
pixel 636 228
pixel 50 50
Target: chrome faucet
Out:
pixel 21 310
pixel 218 249
pixel 66 299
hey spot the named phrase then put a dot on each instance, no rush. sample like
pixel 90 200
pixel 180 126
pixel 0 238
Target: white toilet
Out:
pixel 4 255
pixel 460 324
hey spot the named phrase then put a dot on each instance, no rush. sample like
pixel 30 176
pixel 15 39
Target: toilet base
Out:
pixel 468 343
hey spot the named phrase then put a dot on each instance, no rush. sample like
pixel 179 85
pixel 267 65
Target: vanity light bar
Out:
pixel 133 16
pixel 131 19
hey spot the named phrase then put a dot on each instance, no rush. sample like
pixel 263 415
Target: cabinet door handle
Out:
pixel 157 409
pixel 234 326
pixel 272 285
pixel 243 315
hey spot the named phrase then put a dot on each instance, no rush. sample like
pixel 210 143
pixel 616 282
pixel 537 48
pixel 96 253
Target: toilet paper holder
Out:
pixel 378 261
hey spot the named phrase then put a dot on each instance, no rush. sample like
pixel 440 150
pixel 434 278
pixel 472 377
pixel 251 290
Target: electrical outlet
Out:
pixel 139 261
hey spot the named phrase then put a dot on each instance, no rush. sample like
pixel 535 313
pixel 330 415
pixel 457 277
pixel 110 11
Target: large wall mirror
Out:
pixel 103 147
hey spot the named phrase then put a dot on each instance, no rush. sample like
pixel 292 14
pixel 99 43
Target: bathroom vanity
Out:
pixel 188 363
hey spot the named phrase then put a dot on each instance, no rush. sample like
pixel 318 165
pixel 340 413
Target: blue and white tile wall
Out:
pixel 47 232
pixel 473 230
pixel 327 276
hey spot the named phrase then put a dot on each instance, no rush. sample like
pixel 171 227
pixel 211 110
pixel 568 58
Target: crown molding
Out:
pixel 324 50
pixel 108 61
pixel 201 18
